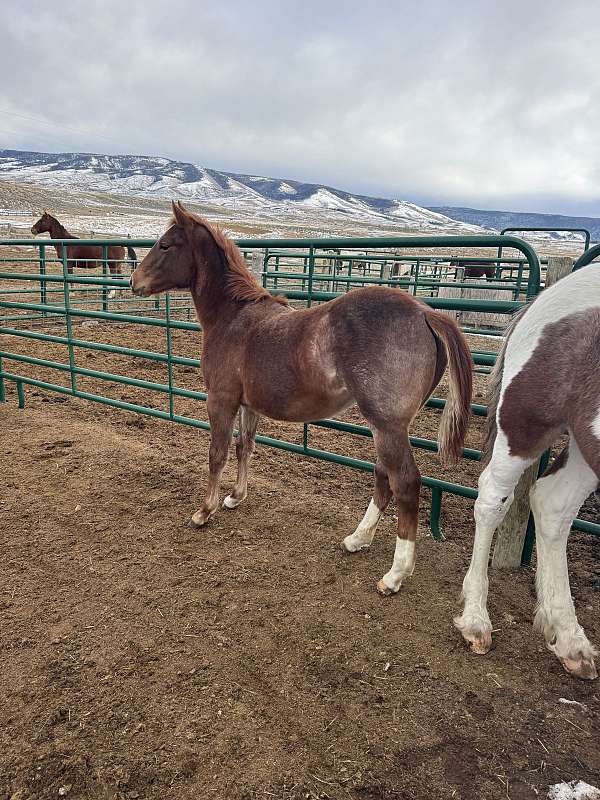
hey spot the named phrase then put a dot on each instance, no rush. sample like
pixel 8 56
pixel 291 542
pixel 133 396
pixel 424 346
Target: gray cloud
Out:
pixel 472 103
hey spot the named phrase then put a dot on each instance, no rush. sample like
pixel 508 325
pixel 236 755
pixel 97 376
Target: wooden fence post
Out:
pixel 511 531
pixel 257 258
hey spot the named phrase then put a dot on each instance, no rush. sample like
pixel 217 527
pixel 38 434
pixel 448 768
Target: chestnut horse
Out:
pixel 546 382
pixel 83 256
pixel 377 347
pixel 476 269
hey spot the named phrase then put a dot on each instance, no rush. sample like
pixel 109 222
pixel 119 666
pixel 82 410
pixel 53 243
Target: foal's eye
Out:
pixel 164 246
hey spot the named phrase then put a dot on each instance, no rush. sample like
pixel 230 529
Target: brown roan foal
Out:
pixel 378 348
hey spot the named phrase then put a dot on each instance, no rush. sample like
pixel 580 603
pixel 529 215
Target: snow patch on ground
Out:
pixel 574 790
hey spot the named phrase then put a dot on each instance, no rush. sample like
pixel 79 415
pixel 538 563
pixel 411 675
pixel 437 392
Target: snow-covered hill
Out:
pixel 277 198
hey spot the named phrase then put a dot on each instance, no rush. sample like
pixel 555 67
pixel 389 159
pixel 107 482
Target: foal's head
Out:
pixel 44 224
pixel 193 254
pixel 170 263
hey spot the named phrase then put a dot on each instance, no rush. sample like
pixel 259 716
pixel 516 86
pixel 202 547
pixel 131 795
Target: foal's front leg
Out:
pixel 221 414
pixel 244 447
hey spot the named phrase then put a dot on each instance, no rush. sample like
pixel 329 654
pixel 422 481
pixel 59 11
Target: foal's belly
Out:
pixel 302 411
pixel 291 372
pixel 290 399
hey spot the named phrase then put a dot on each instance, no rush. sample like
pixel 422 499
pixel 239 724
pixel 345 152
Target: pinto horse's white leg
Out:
pixel 496 491
pixel 555 500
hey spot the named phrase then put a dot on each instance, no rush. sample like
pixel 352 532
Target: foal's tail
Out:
pixel 457 410
pixel 132 257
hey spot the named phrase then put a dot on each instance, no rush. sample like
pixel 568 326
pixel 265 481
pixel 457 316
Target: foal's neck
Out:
pixel 212 302
pixel 223 286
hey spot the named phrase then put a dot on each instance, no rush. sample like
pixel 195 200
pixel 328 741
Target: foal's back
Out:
pixel 368 346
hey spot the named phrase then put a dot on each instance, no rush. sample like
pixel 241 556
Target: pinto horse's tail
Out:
pixel 132 257
pixel 457 410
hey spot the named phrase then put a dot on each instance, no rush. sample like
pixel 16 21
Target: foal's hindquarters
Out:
pixel 547 383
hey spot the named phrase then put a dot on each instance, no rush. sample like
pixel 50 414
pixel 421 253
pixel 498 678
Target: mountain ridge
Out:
pixel 155 176
pixel 497 220
pixel 165 178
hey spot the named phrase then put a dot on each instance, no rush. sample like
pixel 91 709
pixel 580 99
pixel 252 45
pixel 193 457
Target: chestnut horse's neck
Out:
pixel 58 231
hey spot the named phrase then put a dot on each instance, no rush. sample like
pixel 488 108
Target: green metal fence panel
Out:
pixel 587 258
pixel 77 290
pixel 584 231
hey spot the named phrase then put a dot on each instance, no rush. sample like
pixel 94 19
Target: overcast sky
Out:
pixel 485 103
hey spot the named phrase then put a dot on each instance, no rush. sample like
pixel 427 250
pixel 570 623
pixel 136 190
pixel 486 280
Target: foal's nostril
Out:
pixel 131 281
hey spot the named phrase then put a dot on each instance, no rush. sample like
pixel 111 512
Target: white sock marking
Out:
pixel 363 535
pixel 231 502
pixel 403 566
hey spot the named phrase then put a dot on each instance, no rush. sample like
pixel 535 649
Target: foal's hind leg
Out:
pixel 555 501
pixel 395 456
pixel 363 535
pixel 244 447
pixel 221 413
pixel 496 491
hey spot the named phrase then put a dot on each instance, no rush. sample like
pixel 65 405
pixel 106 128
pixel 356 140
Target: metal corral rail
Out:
pixel 421 275
pixel 587 236
pixel 72 306
pixel 587 257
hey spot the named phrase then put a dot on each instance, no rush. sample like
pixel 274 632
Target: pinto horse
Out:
pixel 83 256
pixel 377 347
pixel 546 382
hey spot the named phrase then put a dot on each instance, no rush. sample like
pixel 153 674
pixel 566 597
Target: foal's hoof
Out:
pixel 584 668
pixel 200 518
pixel 232 502
pixel 384 590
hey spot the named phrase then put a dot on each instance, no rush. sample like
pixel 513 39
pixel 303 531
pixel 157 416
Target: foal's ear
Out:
pixel 180 214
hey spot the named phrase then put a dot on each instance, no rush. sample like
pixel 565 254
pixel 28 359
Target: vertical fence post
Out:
pixel 511 548
pixel 104 274
pixel 169 353
pixel 256 266
pixel 2 387
pixel 416 283
pixel 434 517
pixel 43 293
pixel 67 298
pixel 311 272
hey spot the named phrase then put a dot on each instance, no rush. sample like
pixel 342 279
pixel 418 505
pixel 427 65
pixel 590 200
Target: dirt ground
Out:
pixel 253 659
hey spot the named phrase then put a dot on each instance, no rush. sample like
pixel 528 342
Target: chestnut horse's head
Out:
pixel 170 264
pixel 44 224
